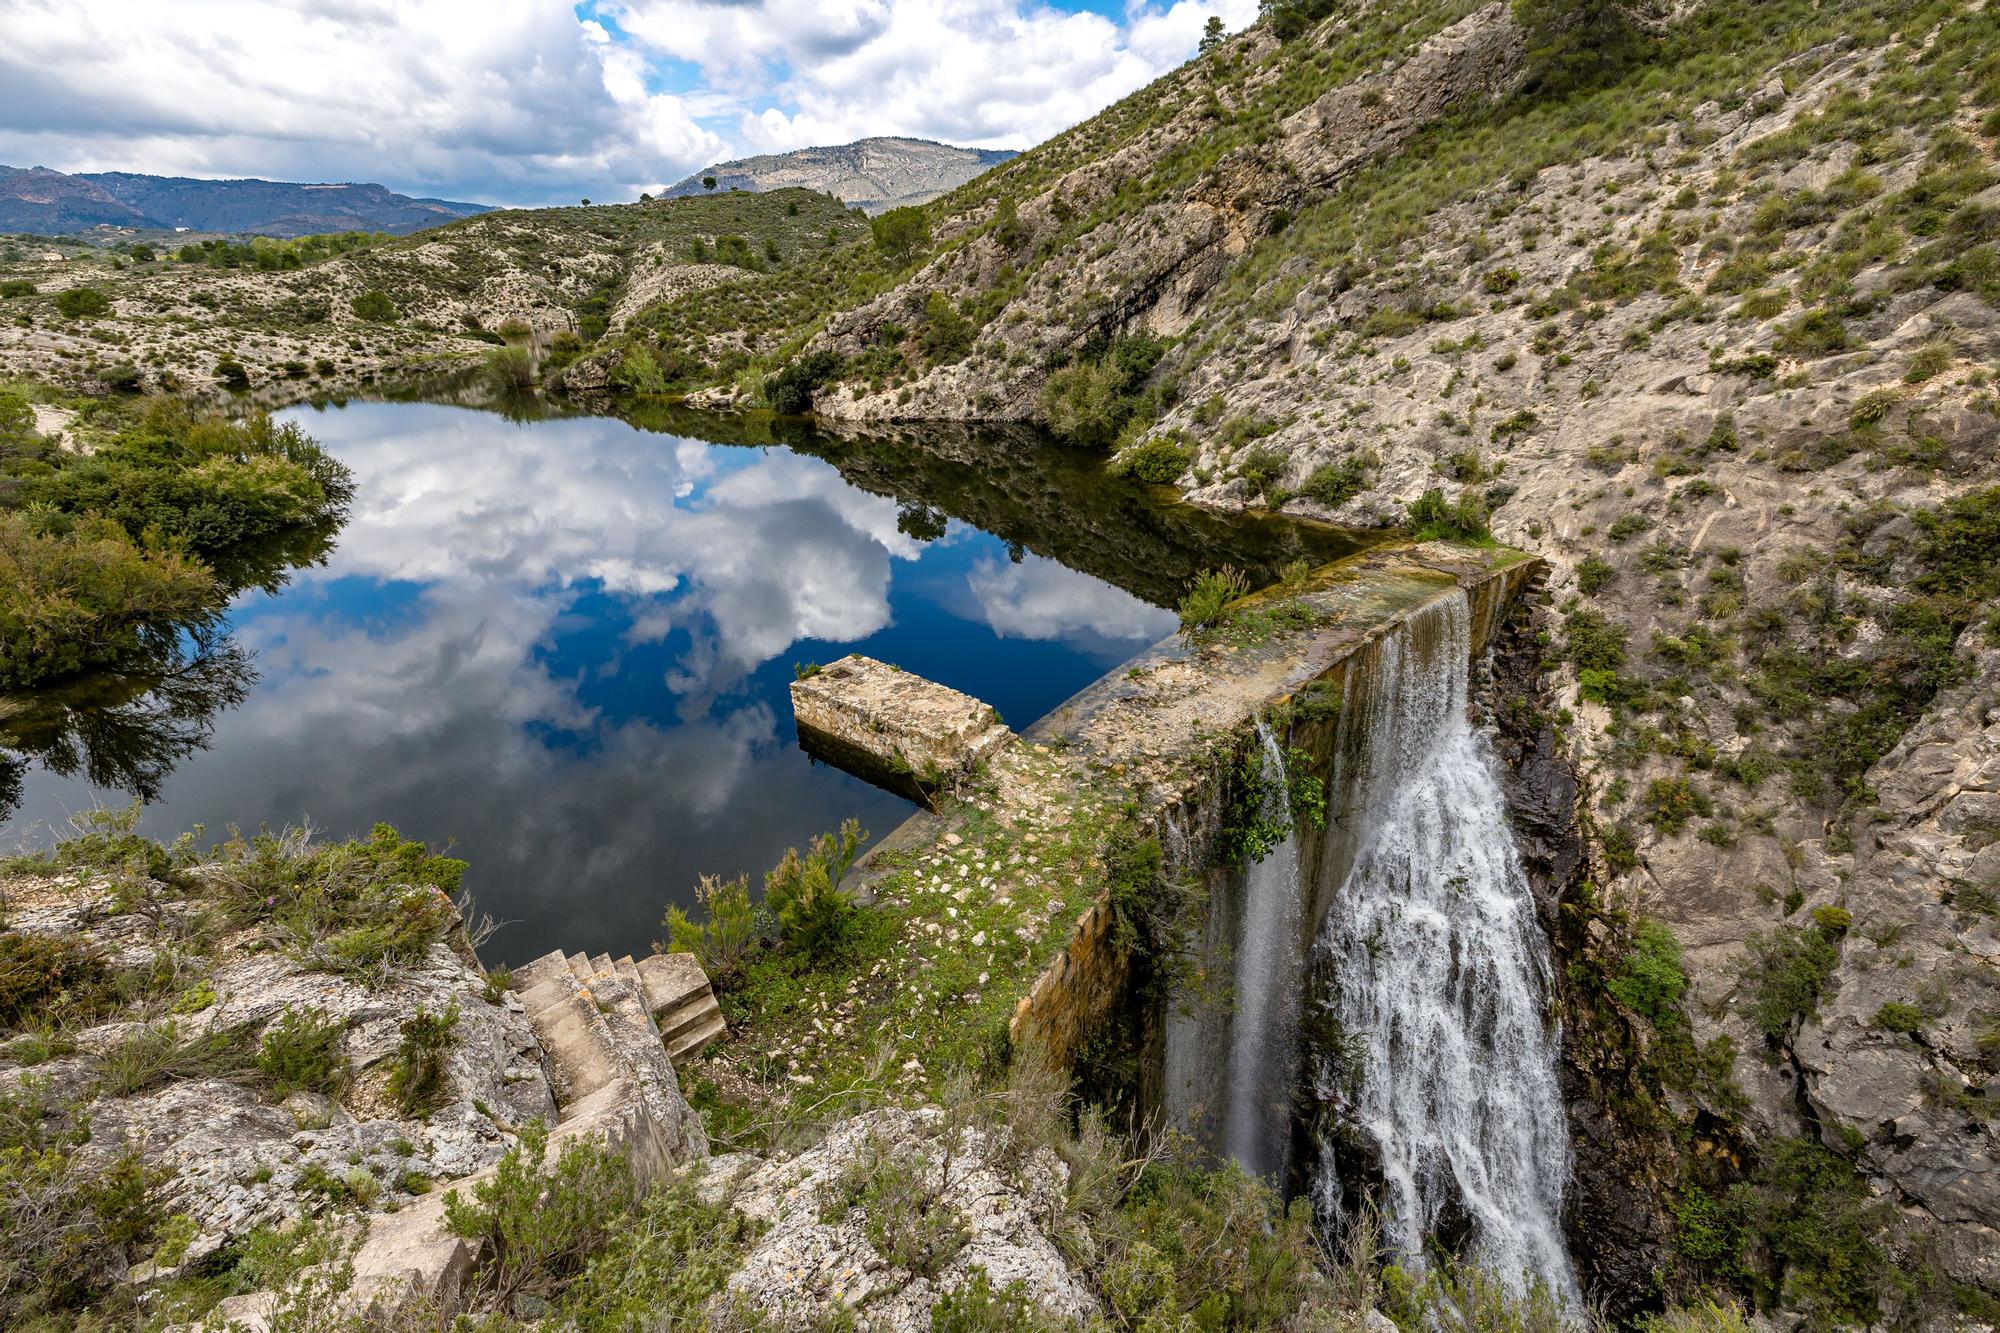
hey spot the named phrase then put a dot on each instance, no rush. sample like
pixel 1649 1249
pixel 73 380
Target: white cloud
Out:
pixel 987 73
pixel 503 99
pixel 1040 599
pixel 530 101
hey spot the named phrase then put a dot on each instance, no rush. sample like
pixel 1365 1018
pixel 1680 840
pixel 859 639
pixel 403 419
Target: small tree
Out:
pixel 1211 37
pixel 82 303
pixel 803 892
pixel 708 182
pixel 901 232
pixel 374 306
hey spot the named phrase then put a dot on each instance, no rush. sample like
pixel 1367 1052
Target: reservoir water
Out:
pixel 563 645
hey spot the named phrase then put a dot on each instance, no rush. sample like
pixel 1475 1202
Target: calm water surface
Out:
pixel 564 645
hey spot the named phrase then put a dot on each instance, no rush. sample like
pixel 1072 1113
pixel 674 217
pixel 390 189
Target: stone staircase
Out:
pixel 672 987
pixel 610 1032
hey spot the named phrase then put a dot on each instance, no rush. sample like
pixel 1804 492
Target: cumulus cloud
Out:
pixel 500 99
pixel 538 101
pixel 986 73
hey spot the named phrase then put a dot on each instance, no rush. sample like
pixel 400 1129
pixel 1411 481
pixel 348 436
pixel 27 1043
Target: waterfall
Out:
pixel 1440 974
pixel 1263 1049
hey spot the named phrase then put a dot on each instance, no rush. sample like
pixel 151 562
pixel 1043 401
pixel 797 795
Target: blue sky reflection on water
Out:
pixel 565 645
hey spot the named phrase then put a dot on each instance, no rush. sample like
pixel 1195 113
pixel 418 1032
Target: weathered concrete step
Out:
pixel 576 1035
pixel 530 975
pixel 670 980
pixel 692 1039
pixel 682 1001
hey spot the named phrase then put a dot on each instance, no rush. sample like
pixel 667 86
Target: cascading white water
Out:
pixel 1263 1048
pixel 1441 972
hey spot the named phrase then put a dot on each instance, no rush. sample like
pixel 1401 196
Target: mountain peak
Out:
pixel 874 174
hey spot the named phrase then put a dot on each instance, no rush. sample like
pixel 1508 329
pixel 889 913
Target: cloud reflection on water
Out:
pixel 565 646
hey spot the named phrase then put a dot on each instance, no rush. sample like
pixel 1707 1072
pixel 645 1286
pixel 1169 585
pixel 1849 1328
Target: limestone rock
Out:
pixel 815 1254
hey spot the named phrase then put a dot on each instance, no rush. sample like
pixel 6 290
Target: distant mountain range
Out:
pixel 875 174
pixel 49 203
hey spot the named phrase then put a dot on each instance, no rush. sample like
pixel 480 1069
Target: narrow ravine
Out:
pixel 1441 975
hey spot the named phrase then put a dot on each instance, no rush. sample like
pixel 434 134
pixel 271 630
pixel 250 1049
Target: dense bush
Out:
pixel 49 977
pixel 947 334
pixel 1433 518
pixel 417 1082
pixel 723 938
pixel 1789 971
pixel 790 391
pixel 1209 596
pixel 82 303
pixel 1159 460
pixel 301 1053
pixel 373 305
pixel 362 905
pixel 1090 401
pixel 814 914
pixel 1334 484
pixel 1651 980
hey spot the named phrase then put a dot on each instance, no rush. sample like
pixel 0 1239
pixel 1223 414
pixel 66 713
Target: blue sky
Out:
pixel 544 101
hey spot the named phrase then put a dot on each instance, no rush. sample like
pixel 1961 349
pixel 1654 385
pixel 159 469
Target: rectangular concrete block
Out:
pixel 892 727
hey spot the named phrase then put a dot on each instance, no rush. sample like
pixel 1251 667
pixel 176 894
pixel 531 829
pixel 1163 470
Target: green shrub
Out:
pixel 723 938
pixel 1789 971
pixel 814 914
pixel 82 303
pixel 1263 468
pixel 1651 980
pixel 947 334
pixel 511 368
pixel 50 978
pixel 1896 1016
pixel 1209 596
pixel 1669 803
pixel 417 1082
pixel 373 305
pixel 1090 401
pixel 1816 333
pixel 301 1053
pixel 539 1222
pixel 1578 44
pixel 1818 1226
pixel 1159 460
pixel 231 373
pixel 1592 574
pixel 1083 405
pixel 1433 518
pixel 660 1265
pixel 790 390
pixel 14 287
pixel 1334 484
pixel 364 905
pixel 976 1307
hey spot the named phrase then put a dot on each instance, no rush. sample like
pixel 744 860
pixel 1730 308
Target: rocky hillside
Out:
pixel 1700 304
pixel 311 315
pixel 38 200
pixel 873 175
